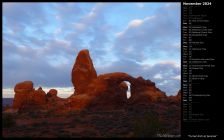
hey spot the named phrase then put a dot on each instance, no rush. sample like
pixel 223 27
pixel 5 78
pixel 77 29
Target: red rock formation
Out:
pixel 25 86
pixel 53 100
pixel 109 83
pixel 26 95
pixel 39 97
pixel 52 93
pixel 176 98
pixel 107 91
pixel 23 93
pixel 123 87
pixel 78 102
pixel 83 71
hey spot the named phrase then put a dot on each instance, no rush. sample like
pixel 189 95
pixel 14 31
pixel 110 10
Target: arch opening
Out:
pixel 128 92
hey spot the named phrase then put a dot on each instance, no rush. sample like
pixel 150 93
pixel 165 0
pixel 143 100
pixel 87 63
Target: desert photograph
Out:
pixel 91 70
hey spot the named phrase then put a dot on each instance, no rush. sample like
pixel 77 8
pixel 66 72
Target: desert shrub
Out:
pixel 147 126
pixel 8 120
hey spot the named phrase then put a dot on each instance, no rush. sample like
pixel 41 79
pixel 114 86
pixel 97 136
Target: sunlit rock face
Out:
pixel 83 71
pixel 109 91
pixel 39 96
pixel 103 92
pixel 26 96
pixel 23 93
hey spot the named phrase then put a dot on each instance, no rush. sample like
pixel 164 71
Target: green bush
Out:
pixel 8 120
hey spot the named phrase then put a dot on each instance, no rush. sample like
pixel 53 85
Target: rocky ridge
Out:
pixel 105 91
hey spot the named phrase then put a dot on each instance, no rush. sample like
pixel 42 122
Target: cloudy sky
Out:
pixel 42 40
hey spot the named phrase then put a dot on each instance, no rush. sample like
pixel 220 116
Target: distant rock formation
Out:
pixel 39 97
pixel 106 91
pixel 23 93
pixel 26 96
pixel 52 93
pixel 83 71
pixel 176 98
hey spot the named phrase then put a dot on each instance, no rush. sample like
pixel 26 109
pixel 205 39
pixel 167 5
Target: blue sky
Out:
pixel 42 40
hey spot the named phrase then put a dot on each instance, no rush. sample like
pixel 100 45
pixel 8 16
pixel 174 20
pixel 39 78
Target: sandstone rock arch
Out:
pixel 103 91
pixel 109 82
